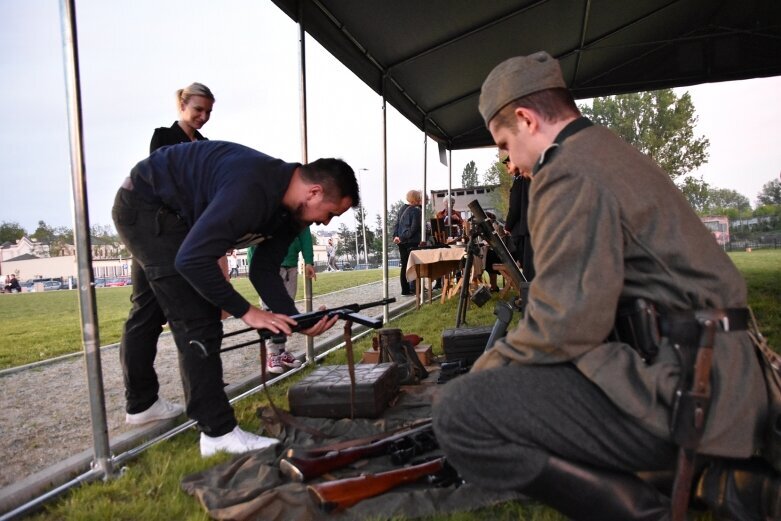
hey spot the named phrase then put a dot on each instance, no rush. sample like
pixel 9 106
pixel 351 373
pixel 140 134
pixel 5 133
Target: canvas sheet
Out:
pixel 251 487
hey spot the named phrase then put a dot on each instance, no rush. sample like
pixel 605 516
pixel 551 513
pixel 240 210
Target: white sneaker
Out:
pixel 289 360
pixel 160 410
pixel 235 442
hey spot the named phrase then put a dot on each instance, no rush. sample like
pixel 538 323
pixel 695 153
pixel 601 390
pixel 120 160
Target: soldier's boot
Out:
pixel 743 490
pixel 590 494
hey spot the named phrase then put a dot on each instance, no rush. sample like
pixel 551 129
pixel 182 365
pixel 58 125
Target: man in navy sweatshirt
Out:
pixel 178 212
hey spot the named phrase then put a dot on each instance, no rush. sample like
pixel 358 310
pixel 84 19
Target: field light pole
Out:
pixel 363 219
pixel 357 258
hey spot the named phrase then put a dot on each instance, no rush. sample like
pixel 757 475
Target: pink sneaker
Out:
pixel 274 364
pixel 289 360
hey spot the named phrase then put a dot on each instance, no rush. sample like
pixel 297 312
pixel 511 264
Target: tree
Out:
pixel 469 175
pixel 770 193
pixel 497 174
pixel 346 246
pixel 44 234
pixel 730 202
pixel 11 232
pixel 696 191
pixel 658 123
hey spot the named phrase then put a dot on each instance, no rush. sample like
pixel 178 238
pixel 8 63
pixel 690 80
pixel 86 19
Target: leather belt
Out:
pixel 127 184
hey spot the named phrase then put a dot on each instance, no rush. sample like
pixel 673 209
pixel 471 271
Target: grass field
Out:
pixel 149 489
pixel 40 326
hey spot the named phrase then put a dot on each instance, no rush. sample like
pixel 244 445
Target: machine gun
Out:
pixel 483 227
pixel 344 493
pixel 402 445
pixel 305 321
pixel 486 230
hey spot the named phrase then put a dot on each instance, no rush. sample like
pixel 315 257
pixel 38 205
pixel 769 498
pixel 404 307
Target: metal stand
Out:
pixel 472 249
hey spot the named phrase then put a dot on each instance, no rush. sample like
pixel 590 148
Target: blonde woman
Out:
pixel 194 103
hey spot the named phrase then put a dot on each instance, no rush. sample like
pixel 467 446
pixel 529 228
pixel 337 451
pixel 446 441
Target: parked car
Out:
pixel 51 285
pixel 100 282
pixel 116 282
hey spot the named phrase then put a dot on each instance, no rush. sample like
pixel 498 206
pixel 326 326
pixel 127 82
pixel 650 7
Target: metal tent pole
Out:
pixel 385 294
pixel 310 343
pixel 81 233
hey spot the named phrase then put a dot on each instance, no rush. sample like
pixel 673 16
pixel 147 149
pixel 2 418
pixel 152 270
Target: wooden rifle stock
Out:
pixel 344 493
pixel 305 468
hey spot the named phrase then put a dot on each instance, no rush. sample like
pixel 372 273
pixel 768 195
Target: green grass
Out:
pixel 44 325
pixel 150 490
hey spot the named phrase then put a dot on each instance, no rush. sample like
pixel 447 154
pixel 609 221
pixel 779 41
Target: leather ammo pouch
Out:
pixel 637 325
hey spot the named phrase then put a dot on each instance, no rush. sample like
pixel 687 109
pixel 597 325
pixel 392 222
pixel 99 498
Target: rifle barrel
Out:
pixel 304 469
pixel 344 493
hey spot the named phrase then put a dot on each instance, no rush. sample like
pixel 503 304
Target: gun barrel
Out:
pixel 303 469
pixel 344 493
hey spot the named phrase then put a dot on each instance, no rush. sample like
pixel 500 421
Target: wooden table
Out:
pixel 432 264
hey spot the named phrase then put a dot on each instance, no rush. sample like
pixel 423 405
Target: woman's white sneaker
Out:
pixel 160 410
pixel 235 442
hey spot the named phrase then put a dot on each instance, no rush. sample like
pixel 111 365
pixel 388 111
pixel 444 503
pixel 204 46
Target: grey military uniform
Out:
pixel 607 223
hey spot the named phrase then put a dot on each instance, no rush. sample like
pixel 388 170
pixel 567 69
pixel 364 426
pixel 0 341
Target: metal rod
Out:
pixel 385 294
pixel 310 346
pixel 81 233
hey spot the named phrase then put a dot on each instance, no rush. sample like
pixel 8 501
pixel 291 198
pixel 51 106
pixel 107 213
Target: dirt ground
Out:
pixel 45 412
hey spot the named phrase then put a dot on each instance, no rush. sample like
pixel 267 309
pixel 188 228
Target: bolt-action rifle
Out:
pixel 344 493
pixel 306 320
pixel 402 445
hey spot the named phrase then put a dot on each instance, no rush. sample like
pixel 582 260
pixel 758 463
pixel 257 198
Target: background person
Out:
pixel 556 411
pixel 233 265
pixel 178 212
pixel 330 252
pixel 451 218
pixel 406 232
pixel 12 284
pixel 517 224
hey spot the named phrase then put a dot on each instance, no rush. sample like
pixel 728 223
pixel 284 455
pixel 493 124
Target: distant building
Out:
pixel 463 196
pixel 719 227
pixel 24 246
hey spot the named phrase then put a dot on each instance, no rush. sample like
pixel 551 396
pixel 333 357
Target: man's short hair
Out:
pixel 335 176
pixel 552 105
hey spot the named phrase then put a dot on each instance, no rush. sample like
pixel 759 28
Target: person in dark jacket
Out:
pixel 195 103
pixel 406 234
pixel 178 212
pixel 517 223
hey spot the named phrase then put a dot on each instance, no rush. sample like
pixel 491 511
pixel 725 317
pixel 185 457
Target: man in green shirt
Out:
pixel 278 359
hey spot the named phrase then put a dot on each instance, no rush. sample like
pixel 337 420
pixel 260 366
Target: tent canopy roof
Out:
pixel 430 57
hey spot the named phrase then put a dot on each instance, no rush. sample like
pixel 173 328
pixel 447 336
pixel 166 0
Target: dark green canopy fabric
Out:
pixel 429 57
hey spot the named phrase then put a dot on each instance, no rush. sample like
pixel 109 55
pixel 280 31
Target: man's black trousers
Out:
pixel 153 234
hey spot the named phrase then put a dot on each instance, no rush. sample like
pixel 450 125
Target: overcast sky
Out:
pixel 134 55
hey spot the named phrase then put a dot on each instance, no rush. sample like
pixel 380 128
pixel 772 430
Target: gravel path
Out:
pixel 44 410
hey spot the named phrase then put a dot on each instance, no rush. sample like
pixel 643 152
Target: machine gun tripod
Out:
pixel 483 227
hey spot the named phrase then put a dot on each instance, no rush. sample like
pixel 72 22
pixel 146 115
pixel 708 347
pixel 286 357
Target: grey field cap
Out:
pixel 518 77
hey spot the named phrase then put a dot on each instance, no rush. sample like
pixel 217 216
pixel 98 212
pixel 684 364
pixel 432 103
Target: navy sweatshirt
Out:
pixel 231 197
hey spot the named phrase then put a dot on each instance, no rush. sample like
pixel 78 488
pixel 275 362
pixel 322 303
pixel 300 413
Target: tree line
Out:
pixel 60 238
pixel 658 123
